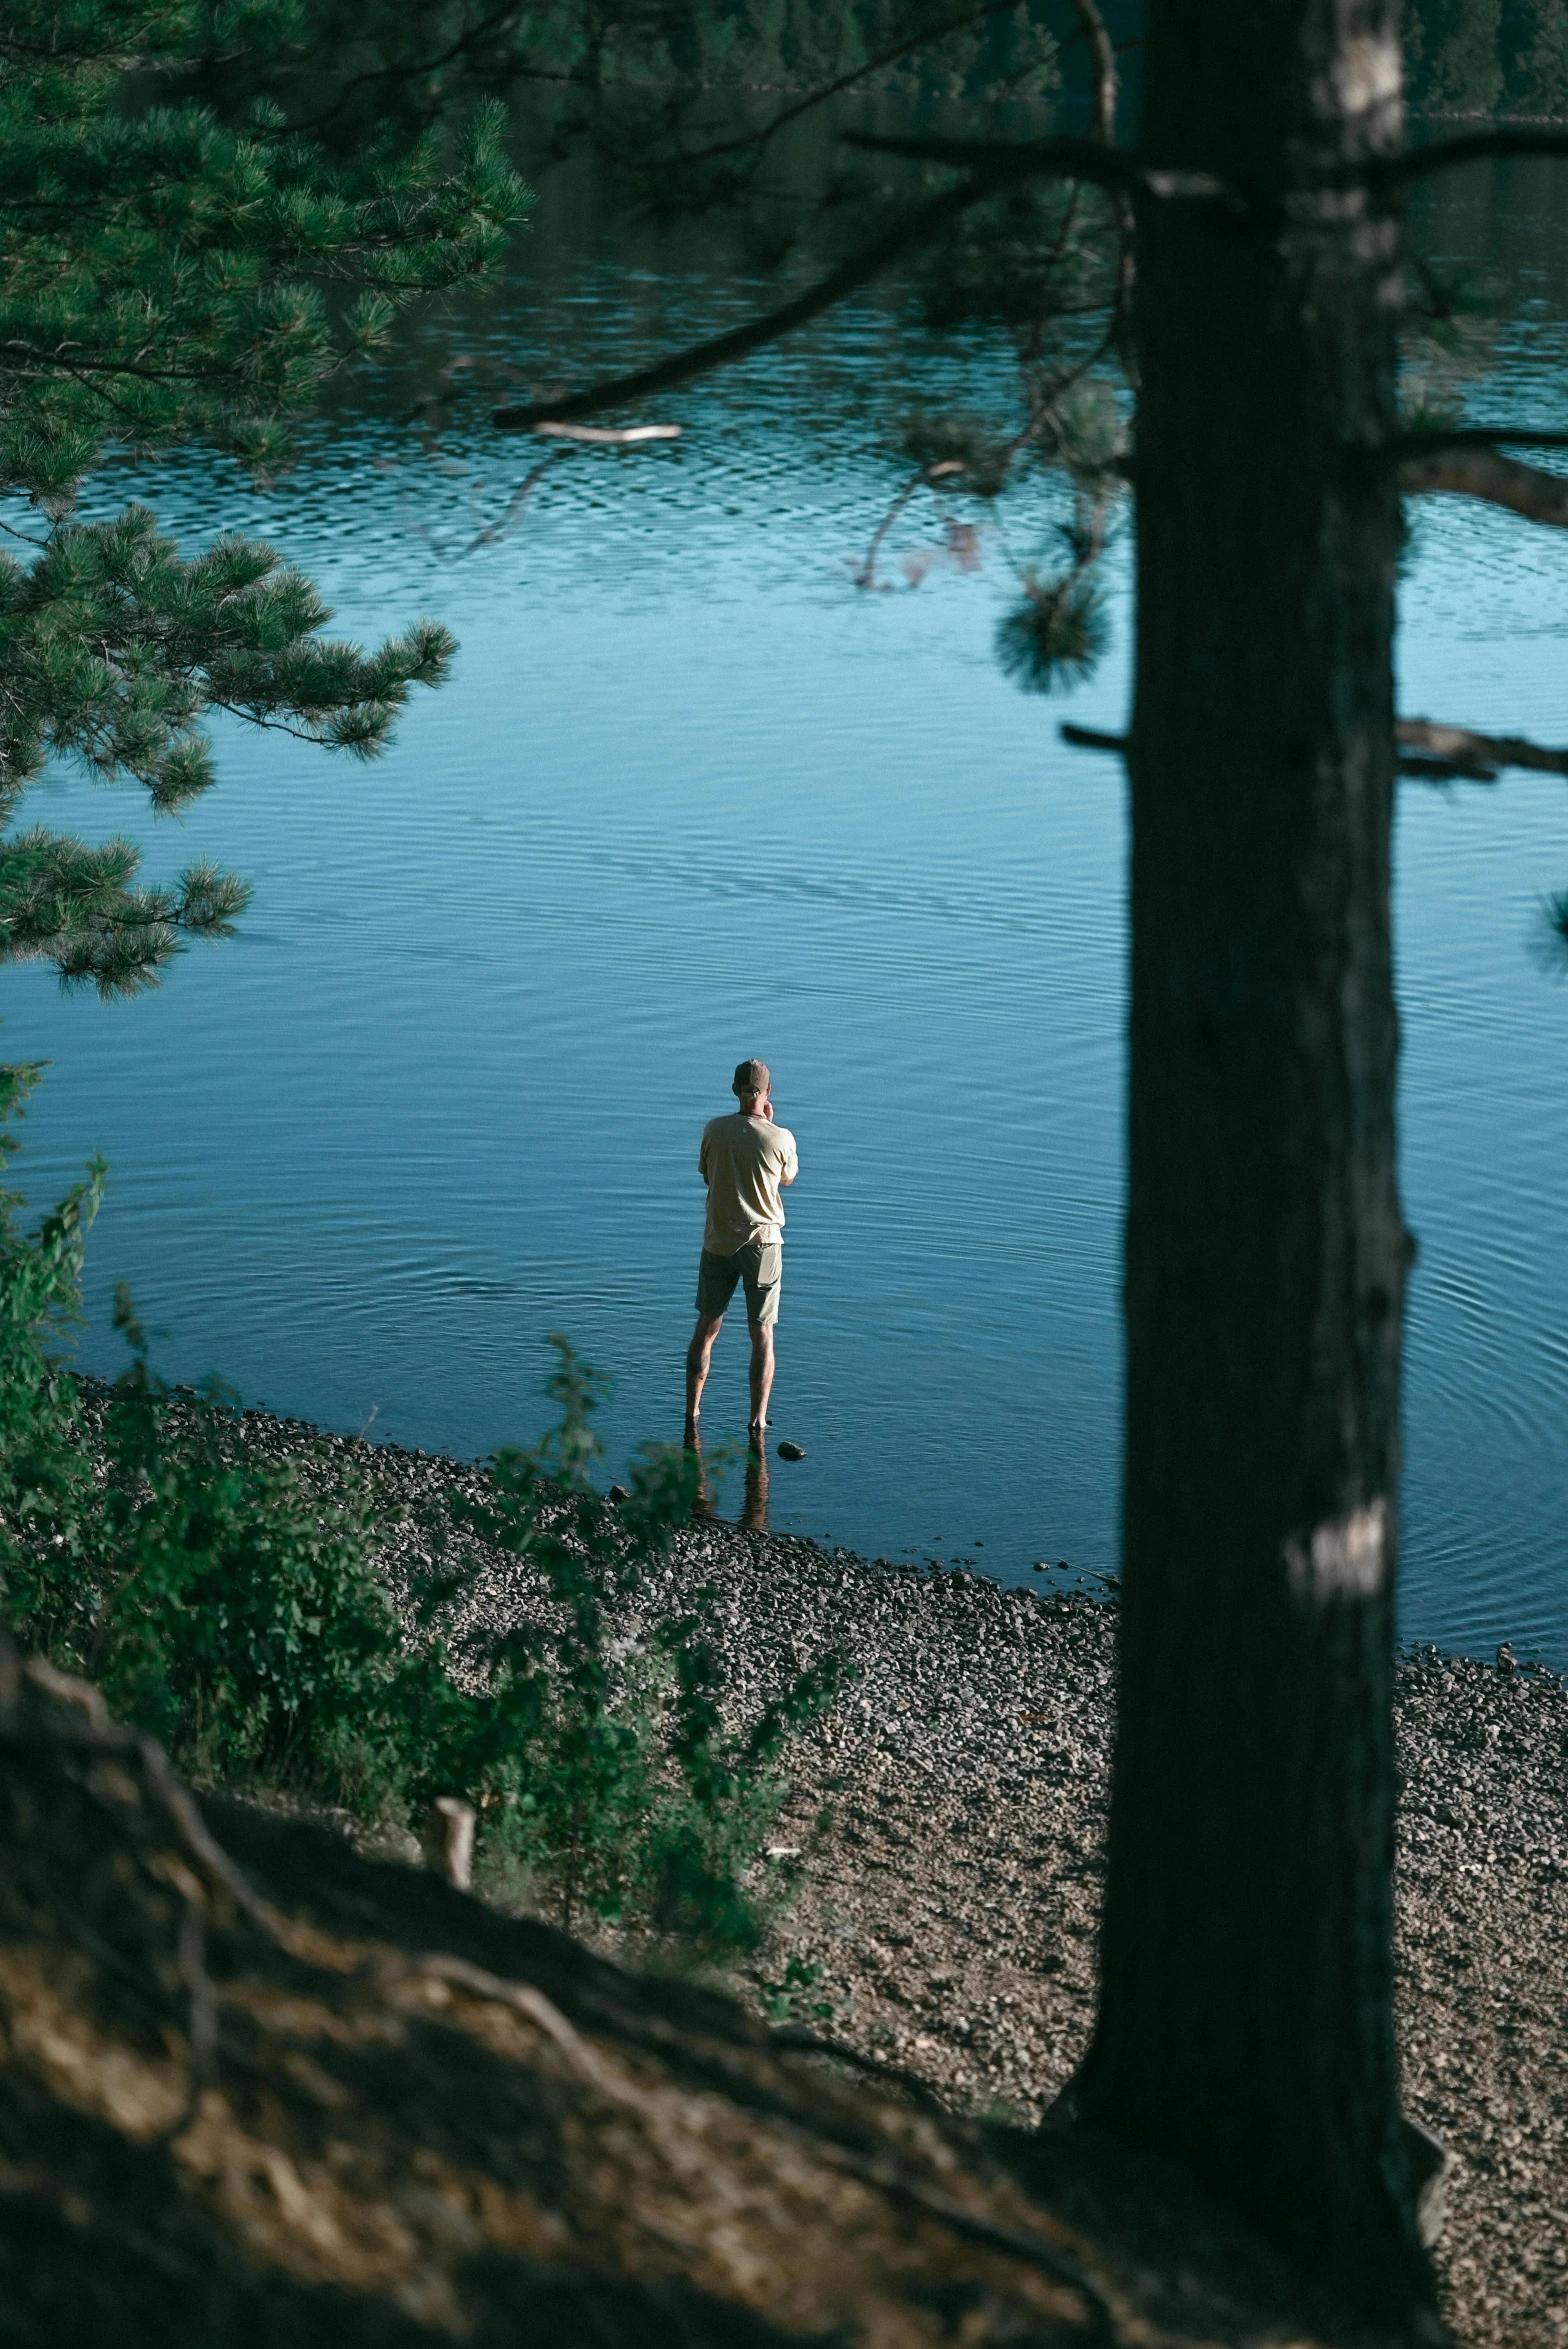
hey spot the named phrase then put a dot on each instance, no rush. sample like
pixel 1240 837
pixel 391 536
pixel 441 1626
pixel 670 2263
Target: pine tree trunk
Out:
pixel 1246 2019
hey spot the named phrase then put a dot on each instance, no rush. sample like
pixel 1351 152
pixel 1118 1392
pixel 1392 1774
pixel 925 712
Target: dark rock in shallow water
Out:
pixel 789 1451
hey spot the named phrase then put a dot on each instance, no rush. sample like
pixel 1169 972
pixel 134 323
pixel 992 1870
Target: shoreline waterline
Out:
pixel 950 1814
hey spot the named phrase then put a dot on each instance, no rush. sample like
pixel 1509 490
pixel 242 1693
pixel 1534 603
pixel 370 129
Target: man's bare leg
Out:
pixel 698 1355
pixel 761 1379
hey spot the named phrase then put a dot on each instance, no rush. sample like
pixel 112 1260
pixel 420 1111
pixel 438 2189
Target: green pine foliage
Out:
pixel 1452 46
pixel 1533 46
pixel 1483 57
pixel 167 273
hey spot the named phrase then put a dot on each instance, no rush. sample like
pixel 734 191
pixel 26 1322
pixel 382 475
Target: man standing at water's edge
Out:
pixel 746 1161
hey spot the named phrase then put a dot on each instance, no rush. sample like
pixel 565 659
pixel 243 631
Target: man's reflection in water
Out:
pixel 702 1501
pixel 754 1511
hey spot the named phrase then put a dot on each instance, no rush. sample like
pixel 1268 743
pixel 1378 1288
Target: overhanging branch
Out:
pixel 1085 738
pixel 1433 753
pixel 1480 755
pixel 1116 168
pixel 915 229
pixel 1095 160
pixel 1411 445
pixel 1473 468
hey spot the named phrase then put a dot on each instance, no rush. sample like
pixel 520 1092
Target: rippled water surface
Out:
pixel 692 795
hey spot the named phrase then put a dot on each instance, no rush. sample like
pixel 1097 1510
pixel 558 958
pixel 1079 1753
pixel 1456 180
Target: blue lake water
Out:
pixel 692 795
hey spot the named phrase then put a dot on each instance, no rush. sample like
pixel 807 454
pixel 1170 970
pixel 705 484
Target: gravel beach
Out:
pixel 951 1905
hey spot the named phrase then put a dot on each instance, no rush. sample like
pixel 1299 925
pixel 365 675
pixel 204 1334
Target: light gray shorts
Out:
pixel 760 1264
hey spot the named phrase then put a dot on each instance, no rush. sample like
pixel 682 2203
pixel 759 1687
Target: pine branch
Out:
pixel 160 276
pixel 64 902
pixel 1094 160
pixel 1471 467
pixel 1481 754
pixel 907 235
pixel 1085 738
pixel 1120 169
pixel 1434 753
pixel 1378 174
pixel 927 477
pixel 1415 445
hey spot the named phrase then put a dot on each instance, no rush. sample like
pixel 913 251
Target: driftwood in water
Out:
pixel 610 436
pixel 254 2090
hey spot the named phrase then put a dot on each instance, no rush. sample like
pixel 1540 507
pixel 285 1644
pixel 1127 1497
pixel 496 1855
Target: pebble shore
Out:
pixel 951 1906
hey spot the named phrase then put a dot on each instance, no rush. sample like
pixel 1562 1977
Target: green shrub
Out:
pixel 618 1791
pixel 43 1484
pixel 226 1609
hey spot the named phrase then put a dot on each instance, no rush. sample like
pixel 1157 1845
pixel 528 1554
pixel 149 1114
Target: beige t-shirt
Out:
pixel 743 1161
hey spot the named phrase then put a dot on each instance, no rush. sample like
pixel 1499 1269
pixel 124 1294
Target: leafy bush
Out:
pixel 221 1606
pixel 620 1792
pixel 229 1608
pixel 41 1476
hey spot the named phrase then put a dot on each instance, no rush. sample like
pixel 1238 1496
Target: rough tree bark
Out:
pixel 1246 2021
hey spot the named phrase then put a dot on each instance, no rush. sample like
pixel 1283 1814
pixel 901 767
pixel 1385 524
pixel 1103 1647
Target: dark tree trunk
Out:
pixel 1246 2019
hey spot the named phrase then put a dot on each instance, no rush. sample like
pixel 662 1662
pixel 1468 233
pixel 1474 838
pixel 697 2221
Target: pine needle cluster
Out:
pixel 165 273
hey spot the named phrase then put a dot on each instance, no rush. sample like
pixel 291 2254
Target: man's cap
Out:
pixel 751 1077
